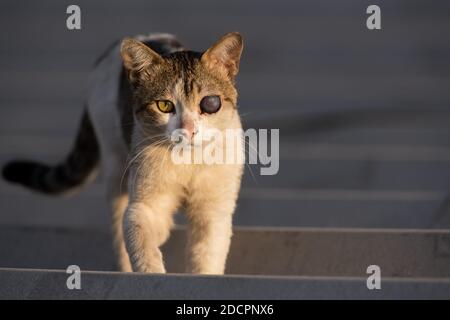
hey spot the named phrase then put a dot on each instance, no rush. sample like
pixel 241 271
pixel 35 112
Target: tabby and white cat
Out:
pixel 139 93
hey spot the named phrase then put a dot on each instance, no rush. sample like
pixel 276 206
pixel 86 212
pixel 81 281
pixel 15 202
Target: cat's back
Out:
pixel 162 43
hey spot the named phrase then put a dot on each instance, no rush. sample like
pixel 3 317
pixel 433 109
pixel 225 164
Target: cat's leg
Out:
pixel 147 225
pixel 209 239
pixel 210 228
pixel 117 195
pixel 118 204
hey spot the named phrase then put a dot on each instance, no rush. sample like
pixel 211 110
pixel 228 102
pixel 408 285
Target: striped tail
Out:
pixel 78 167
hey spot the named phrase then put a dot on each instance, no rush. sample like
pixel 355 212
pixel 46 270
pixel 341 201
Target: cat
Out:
pixel 141 90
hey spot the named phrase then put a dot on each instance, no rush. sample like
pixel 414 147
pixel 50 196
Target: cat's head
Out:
pixel 184 90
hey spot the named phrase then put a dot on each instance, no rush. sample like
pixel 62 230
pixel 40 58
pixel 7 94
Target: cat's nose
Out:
pixel 189 129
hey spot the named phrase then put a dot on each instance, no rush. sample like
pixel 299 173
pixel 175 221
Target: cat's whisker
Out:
pixel 164 160
pixel 147 155
pixel 245 114
pixel 250 146
pixel 129 163
pixel 251 173
pixel 146 139
pixel 248 165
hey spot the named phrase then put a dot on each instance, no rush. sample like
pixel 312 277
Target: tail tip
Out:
pixel 15 171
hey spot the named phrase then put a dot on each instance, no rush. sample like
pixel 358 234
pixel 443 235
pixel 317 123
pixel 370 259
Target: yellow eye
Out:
pixel 165 106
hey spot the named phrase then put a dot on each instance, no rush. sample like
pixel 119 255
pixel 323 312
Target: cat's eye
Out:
pixel 210 104
pixel 165 106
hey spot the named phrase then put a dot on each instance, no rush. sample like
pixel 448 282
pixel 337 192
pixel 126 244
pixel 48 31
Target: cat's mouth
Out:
pixel 188 144
pixel 183 138
pixel 185 143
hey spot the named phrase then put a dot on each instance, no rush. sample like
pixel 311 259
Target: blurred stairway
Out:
pixel 336 207
pixel 365 151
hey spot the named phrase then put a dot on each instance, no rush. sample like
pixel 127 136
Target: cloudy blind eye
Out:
pixel 210 104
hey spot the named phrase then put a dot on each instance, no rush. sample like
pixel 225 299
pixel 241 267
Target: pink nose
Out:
pixel 189 129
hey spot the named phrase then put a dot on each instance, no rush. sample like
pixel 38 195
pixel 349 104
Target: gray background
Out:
pixel 363 115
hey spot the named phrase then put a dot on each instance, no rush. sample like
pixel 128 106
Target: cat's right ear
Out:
pixel 137 58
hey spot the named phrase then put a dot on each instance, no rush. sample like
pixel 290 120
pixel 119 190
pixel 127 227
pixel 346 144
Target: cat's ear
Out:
pixel 225 54
pixel 138 58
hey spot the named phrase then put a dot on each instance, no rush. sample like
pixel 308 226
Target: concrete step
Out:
pixel 369 174
pixel 51 284
pixel 343 208
pixel 356 134
pixel 254 251
pixel 256 207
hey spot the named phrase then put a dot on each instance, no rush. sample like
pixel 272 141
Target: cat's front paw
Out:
pixel 148 265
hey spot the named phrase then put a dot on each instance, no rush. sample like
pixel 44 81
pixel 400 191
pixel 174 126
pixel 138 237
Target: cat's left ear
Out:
pixel 225 54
